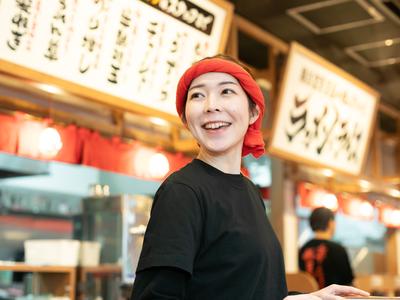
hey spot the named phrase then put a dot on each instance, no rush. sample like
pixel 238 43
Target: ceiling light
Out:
pixel 389 42
pixel 327 172
pixel 364 184
pixel 394 193
pixel 49 88
pixel 158 121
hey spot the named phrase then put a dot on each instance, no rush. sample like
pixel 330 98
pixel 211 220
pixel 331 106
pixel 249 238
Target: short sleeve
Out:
pixel 174 231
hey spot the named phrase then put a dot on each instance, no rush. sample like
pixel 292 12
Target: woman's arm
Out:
pixel 160 283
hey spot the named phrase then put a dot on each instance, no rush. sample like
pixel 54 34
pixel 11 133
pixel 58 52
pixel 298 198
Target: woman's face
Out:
pixel 217 113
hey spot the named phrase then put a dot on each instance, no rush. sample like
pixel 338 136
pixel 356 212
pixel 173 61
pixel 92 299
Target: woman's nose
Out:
pixel 212 103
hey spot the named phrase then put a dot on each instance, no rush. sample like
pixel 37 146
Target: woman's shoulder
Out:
pixel 185 174
pixel 188 175
pixel 181 184
pixel 250 184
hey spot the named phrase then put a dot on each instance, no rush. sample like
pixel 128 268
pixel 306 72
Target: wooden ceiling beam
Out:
pixel 260 34
pixel 390 111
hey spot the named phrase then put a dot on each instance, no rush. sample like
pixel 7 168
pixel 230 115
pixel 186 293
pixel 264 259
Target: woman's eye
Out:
pixel 228 91
pixel 195 96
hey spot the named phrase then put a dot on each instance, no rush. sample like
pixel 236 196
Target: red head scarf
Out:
pixel 253 140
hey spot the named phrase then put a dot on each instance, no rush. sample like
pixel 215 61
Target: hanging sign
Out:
pixel 324 115
pixel 134 50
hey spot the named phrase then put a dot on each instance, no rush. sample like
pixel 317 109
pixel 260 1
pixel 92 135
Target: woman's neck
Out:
pixel 227 163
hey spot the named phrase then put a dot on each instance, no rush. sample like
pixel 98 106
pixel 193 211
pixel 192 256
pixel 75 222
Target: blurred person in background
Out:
pixel 208 237
pixel 325 260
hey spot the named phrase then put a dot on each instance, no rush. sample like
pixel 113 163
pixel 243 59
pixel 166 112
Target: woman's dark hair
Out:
pixel 320 217
pixel 252 104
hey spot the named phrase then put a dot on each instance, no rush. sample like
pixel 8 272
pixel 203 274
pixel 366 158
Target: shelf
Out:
pixel 22 267
pixel 58 279
pixel 15 166
pixel 54 279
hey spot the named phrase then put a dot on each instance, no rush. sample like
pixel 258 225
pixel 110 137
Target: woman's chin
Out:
pixel 219 149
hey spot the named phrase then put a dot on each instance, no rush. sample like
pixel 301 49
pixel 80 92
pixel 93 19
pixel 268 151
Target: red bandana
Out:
pixel 253 140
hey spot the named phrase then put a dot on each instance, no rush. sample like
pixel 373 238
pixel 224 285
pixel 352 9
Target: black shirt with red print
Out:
pixel 327 262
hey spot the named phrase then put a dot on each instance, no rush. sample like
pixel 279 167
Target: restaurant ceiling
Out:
pixel 360 36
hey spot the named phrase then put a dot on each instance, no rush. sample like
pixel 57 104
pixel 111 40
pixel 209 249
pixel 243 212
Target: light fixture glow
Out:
pixel 49 142
pixel 394 193
pixel 366 210
pixel 158 121
pixel 325 199
pixel 49 88
pixel 364 184
pixel 330 201
pixel 327 172
pixel 158 165
pixel 391 217
pixel 389 42
pixel 359 208
pixel 150 164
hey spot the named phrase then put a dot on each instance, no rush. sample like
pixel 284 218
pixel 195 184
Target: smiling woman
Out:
pixel 208 236
pixel 238 75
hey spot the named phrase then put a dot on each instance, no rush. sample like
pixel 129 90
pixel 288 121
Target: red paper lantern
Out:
pixel 312 196
pixel 389 216
pixel 9 125
pixel 356 207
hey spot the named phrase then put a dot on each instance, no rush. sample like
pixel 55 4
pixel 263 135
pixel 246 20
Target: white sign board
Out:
pixel 324 115
pixel 132 49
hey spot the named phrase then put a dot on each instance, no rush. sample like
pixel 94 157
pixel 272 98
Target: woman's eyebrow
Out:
pixel 196 86
pixel 227 82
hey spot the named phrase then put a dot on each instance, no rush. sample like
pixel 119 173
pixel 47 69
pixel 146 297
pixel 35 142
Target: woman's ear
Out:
pixel 254 114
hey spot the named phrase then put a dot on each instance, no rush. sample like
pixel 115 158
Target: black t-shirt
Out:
pixel 327 261
pixel 213 226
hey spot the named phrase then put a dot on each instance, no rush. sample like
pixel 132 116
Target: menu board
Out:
pixel 324 115
pixel 132 49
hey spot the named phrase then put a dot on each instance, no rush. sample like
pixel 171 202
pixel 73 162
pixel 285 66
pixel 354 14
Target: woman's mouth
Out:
pixel 215 125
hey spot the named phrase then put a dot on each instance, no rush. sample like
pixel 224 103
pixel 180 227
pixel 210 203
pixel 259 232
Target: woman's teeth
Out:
pixel 215 125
